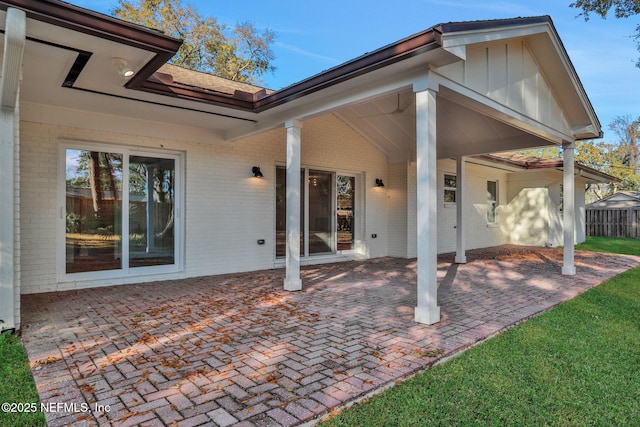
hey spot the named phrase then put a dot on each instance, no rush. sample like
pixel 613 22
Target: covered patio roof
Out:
pixel 80 46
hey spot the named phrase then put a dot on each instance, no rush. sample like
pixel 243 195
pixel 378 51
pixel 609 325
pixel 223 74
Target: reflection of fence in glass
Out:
pixel 94 205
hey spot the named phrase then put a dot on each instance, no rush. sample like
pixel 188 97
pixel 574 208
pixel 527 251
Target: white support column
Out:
pixel 292 280
pixel 461 198
pixel 427 310
pixel 14 41
pixel 569 210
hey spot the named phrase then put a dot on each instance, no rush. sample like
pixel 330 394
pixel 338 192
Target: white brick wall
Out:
pixel 479 233
pixel 396 188
pixel 551 181
pixel 226 211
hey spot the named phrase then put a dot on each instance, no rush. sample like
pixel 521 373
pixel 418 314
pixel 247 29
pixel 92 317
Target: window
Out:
pixel 449 188
pixel 492 201
pixel 327 212
pixel 120 210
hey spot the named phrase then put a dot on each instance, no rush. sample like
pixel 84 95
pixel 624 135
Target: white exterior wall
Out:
pixel 544 186
pixel 226 210
pixel 479 234
pixel 396 188
pixel 402 221
pixel 526 219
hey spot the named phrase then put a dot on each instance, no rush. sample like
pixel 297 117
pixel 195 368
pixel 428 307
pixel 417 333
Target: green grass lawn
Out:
pixel 16 384
pixel 574 365
pixel 616 245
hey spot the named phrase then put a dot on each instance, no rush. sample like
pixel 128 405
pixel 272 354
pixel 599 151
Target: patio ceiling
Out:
pixel 389 122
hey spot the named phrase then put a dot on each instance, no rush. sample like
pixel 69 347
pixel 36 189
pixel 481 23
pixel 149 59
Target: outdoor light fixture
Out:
pixel 123 67
pixel 256 172
pixel 379 183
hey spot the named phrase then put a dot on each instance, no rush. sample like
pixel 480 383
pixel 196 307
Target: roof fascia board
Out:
pixel 407 48
pixel 586 171
pixel 93 23
pixel 208 97
pixel 563 56
pixel 464 38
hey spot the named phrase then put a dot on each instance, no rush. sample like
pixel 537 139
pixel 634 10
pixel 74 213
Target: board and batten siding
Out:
pixel 508 72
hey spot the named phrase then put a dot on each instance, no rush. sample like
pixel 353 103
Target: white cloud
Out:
pixel 306 53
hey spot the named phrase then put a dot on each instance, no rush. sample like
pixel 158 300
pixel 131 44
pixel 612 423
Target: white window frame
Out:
pixel 445 189
pixel 125 271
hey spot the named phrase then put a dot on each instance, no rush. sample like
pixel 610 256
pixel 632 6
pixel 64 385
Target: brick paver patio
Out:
pixel 237 349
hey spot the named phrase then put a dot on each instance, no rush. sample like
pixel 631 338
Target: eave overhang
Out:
pixel 99 25
pixel 558 164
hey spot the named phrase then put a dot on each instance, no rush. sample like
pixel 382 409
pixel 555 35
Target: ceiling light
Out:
pixel 123 67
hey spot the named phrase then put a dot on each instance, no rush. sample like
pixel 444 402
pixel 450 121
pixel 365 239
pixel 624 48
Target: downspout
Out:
pixel 14 42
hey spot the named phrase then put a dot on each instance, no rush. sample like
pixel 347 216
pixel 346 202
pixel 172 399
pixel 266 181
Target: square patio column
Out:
pixel 292 281
pixel 427 310
pixel 14 41
pixel 569 210
pixel 461 198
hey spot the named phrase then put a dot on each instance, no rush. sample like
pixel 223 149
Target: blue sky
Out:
pixel 312 37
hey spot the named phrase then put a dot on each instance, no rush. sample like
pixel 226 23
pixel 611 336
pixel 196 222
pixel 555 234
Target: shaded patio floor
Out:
pixel 237 349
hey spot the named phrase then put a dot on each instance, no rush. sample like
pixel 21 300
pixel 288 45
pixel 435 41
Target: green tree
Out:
pixel 621 9
pixel 240 53
pixel 615 158
pixel 624 154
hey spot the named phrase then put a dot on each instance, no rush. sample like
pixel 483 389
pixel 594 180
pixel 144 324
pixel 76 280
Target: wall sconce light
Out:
pixel 256 172
pixel 123 67
pixel 379 183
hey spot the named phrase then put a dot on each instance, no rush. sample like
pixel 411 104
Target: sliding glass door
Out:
pixel 110 194
pixel 327 212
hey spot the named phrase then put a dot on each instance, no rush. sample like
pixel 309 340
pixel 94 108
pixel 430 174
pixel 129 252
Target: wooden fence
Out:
pixel 613 222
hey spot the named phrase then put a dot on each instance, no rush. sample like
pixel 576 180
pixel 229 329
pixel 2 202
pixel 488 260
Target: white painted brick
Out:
pixel 226 211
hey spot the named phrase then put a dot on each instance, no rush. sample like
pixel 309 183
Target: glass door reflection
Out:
pixel 320 212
